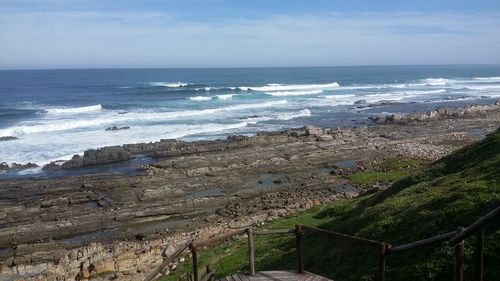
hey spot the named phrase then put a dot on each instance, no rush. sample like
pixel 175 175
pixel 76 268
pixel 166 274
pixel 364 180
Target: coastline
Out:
pixel 211 186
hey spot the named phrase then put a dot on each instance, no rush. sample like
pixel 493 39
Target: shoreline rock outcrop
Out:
pixel 105 155
pixel 8 138
pixel 439 113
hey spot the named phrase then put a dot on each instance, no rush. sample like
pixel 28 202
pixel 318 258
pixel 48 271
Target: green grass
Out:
pixel 372 177
pixel 389 171
pixel 453 191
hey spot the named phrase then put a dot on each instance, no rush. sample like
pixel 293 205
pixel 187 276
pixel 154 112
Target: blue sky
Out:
pixel 233 33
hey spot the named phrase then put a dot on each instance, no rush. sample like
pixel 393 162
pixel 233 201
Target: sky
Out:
pixel 51 34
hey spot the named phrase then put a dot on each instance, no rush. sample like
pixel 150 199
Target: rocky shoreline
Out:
pixel 78 227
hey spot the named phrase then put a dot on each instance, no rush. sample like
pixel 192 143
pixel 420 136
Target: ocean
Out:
pixel 54 114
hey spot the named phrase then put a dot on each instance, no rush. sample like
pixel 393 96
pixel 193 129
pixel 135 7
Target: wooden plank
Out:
pixel 236 277
pixel 276 276
pixel 244 277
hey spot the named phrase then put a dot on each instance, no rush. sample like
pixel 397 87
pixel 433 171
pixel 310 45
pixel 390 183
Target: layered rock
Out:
pixel 103 155
pixel 440 113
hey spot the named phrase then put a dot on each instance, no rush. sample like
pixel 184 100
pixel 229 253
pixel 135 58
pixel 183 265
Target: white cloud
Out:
pixel 158 39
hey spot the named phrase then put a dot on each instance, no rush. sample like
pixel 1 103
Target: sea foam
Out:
pixel 200 98
pixel 281 87
pixel 74 110
pixel 169 84
pixel 294 93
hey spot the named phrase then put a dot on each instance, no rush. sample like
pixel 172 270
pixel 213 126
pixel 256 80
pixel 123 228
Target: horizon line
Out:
pixel 242 67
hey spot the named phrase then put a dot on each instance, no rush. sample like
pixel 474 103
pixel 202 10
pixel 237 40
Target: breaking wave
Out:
pixel 294 93
pixel 128 119
pixel 200 98
pixel 74 110
pixel 292 115
pixel 169 85
pixel 298 87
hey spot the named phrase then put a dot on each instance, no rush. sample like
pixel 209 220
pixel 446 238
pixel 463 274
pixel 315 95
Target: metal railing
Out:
pixel 455 239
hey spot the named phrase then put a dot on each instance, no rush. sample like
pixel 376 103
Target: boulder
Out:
pixel 7 138
pixel 116 128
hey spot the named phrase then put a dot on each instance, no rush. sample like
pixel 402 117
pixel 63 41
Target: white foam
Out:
pixel 225 97
pixel 436 81
pixel 294 93
pixel 74 110
pixel 169 85
pixel 493 87
pixel 292 115
pixel 298 87
pixel 53 126
pixel 42 149
pixel 200 98
pixel 487 79
pixel 41 126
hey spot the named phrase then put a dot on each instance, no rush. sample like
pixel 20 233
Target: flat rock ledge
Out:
pixel 440 113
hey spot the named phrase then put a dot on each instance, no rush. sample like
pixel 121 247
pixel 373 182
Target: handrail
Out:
pixel 423 242
pixel 455 238
pixel 344 236
pixel 473 228
pixel 151 276
pixel 271 232
pixel 218 238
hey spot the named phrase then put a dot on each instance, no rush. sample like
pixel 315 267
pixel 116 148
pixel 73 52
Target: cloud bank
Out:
pixel 108 39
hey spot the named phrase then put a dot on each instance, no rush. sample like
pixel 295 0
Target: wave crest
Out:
pixel 200 98
pixel 297 87
pixel 74 110
pixel 169 85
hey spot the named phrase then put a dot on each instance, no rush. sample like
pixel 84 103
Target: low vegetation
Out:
pixel 422 202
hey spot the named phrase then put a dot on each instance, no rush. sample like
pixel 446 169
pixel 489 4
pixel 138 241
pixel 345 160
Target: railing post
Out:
pixel 195 262
pixel 208 271
pixel 300 254
pixel 381 261
pixel 251 254
pixel 479 254
pixel 459 258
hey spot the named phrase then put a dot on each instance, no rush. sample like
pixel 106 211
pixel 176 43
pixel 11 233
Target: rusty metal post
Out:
pixel 479 255
pixel 459 258
pixel 381 261
pixel 251 254
pixel 299 233
pixel 195 262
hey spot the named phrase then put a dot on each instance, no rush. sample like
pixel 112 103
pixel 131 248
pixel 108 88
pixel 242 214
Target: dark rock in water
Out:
pixel 7 138
pixel 250 117
pixel 360 102
pixel 387 102
pixel 103 155
pixel 4 166
pixel 116 128
pixel 123 112
pixel 52 166
pixel 14 166
pixel 485 97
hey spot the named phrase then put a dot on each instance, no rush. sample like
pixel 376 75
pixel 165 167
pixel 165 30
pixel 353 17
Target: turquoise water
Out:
pixel 57 113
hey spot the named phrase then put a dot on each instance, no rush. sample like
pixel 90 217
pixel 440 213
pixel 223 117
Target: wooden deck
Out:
pixel 276 276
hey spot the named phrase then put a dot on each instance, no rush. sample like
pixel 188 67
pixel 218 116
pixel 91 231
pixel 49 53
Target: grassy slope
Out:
pixel 453 191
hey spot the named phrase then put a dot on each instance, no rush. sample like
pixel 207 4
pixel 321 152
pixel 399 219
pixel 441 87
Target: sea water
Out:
pixel 55 114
